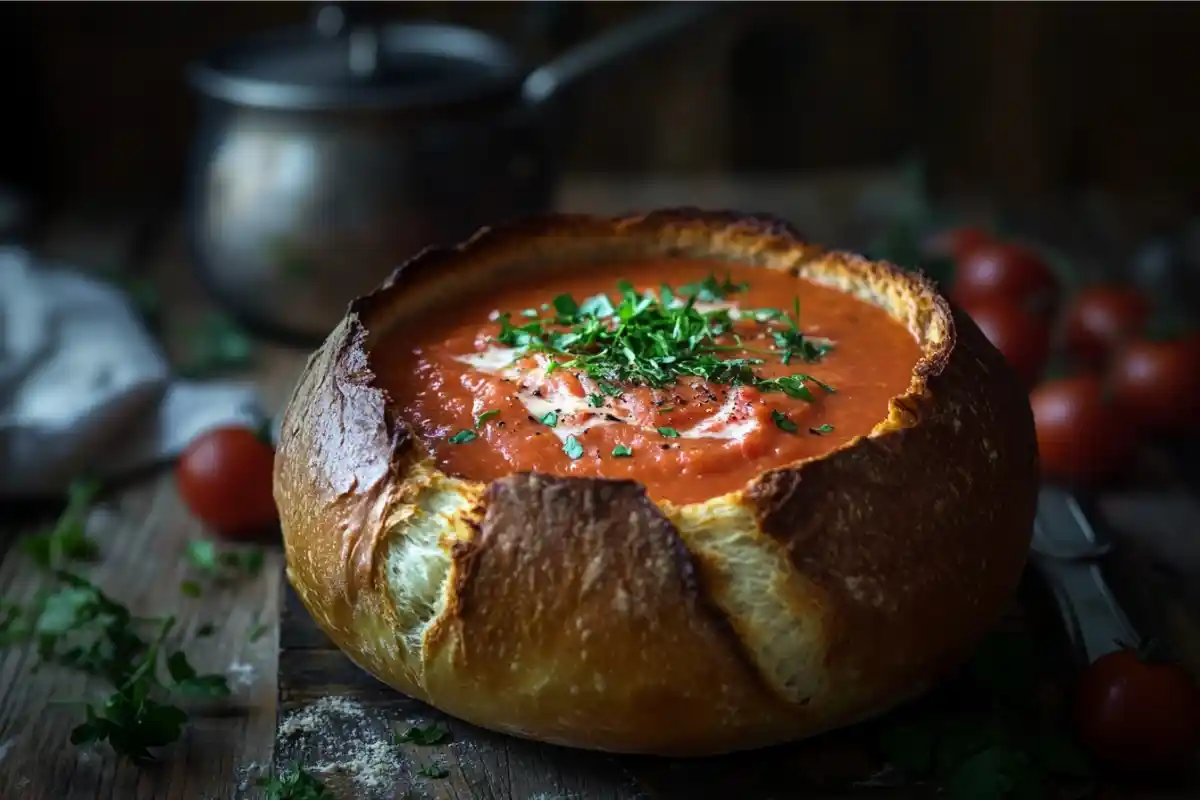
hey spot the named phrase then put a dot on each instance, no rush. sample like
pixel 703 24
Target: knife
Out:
pixel 1067 550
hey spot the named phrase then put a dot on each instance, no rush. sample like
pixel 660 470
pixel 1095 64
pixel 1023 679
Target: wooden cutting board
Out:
pixel 340 723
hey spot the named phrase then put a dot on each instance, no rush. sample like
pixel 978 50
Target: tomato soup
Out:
pixel 689 377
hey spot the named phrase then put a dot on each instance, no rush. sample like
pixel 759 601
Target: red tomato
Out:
pixel 1003 271
pixel 956 243
pixel 1082 435
pixel 1100 318
pixel 224 477
pixel 1138 715
pixel 1023 338
pixel 1158 382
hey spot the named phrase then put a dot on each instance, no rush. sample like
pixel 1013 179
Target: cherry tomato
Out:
pixel 1157 383
pixel 1100 318
pixel 224 477
pixel 956 243
pixel 1138 715
pixel 1082 434
pixel 1004 271
pixel 1023 338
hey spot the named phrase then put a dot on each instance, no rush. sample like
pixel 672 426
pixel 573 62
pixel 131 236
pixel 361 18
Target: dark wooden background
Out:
pixel 1021 99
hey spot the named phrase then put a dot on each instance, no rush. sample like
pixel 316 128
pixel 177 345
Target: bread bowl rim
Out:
pixel 771 490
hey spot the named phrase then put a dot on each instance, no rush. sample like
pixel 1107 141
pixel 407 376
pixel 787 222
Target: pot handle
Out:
pixel 610 47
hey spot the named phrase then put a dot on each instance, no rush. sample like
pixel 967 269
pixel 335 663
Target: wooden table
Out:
pixel 144 531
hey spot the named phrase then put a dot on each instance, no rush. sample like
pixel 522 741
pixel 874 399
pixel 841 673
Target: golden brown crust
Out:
pixel 579 612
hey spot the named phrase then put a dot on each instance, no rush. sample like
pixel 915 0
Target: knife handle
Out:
pixel 1094 620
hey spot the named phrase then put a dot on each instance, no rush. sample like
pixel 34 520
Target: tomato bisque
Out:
pixel 688 380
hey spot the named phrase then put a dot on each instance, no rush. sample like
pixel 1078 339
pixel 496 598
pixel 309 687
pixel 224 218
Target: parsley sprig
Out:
pixel 654 339
pixel 73 624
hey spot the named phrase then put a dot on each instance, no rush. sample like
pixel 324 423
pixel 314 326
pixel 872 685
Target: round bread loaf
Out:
pixel 579 611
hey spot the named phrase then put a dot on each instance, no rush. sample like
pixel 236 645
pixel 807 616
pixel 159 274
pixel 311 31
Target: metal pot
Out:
pixel 326 157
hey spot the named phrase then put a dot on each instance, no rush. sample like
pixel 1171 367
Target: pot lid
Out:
pixel 386 66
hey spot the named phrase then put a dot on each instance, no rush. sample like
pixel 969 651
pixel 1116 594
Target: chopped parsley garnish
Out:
pixel 670 433
pixel 550 419
pixel 621 451
pixel 67 540
pixel 596 400
pixel 666 410
pixel 710 290
pixel 654 339
pixel 792 342
pixel 463 436
pixel 572 447
pixel 485 416
pixel 821 430
pixel 425 735
pixel 782 422
pixel 530 313
pixel 224 566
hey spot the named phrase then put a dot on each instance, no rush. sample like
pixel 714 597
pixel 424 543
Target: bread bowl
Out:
pixel 632 603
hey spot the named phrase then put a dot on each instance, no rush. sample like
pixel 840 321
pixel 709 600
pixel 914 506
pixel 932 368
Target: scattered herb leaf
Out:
pixel 433 733
pixel 433 771
pixel 710 290
pixel 596 400
pixel 295 783
pixel 190 588
pixel 67 540
pixel 572 447
pixel 782 422
pixel 485 416
pixel 550 418
pixel 463 436
pixel 621 451
pixel 670 433
pixel 821 430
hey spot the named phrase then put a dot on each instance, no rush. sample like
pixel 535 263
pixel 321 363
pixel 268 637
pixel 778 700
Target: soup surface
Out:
pixel 688 380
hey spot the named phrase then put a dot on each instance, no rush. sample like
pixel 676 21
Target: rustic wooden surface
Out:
pixel 144 530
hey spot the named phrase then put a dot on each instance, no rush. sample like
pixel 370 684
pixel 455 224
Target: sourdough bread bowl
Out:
pixel 582 610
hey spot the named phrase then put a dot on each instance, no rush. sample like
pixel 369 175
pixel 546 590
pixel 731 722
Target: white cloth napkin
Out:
pixel 85 389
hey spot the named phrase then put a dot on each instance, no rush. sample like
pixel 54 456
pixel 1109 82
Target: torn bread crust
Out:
pixel 578 611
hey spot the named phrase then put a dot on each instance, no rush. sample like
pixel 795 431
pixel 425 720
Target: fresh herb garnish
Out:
pixel 782 422
pixel 550 418
pixel 463 436
pixel 224 566
pixel 621 451
pixel 425 735
pixel 485 416
pixel 67 540
pixel 653 340
pixel 670 433
pixel 77 626
pixel 572 447
pixel 666 410
pixel 295 783
pixel 596 400
pixel 821 430
pixel 710 290
pixel 792 342
pixel 433 771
